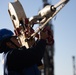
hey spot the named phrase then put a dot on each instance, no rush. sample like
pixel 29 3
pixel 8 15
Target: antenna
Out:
pixel 73 57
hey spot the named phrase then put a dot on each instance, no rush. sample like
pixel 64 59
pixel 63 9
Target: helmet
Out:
pixel 5 33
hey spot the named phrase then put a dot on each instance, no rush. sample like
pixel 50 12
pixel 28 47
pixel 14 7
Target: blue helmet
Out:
pixel 5 33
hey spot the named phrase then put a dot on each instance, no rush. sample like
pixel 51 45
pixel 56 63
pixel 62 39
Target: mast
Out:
pixel 48 59
pixel 73 57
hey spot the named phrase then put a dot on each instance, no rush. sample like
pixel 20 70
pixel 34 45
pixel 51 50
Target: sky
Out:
pixel 64 31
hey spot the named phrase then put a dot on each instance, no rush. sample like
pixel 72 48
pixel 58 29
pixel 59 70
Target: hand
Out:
pixel 47 35
pixel 43 35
